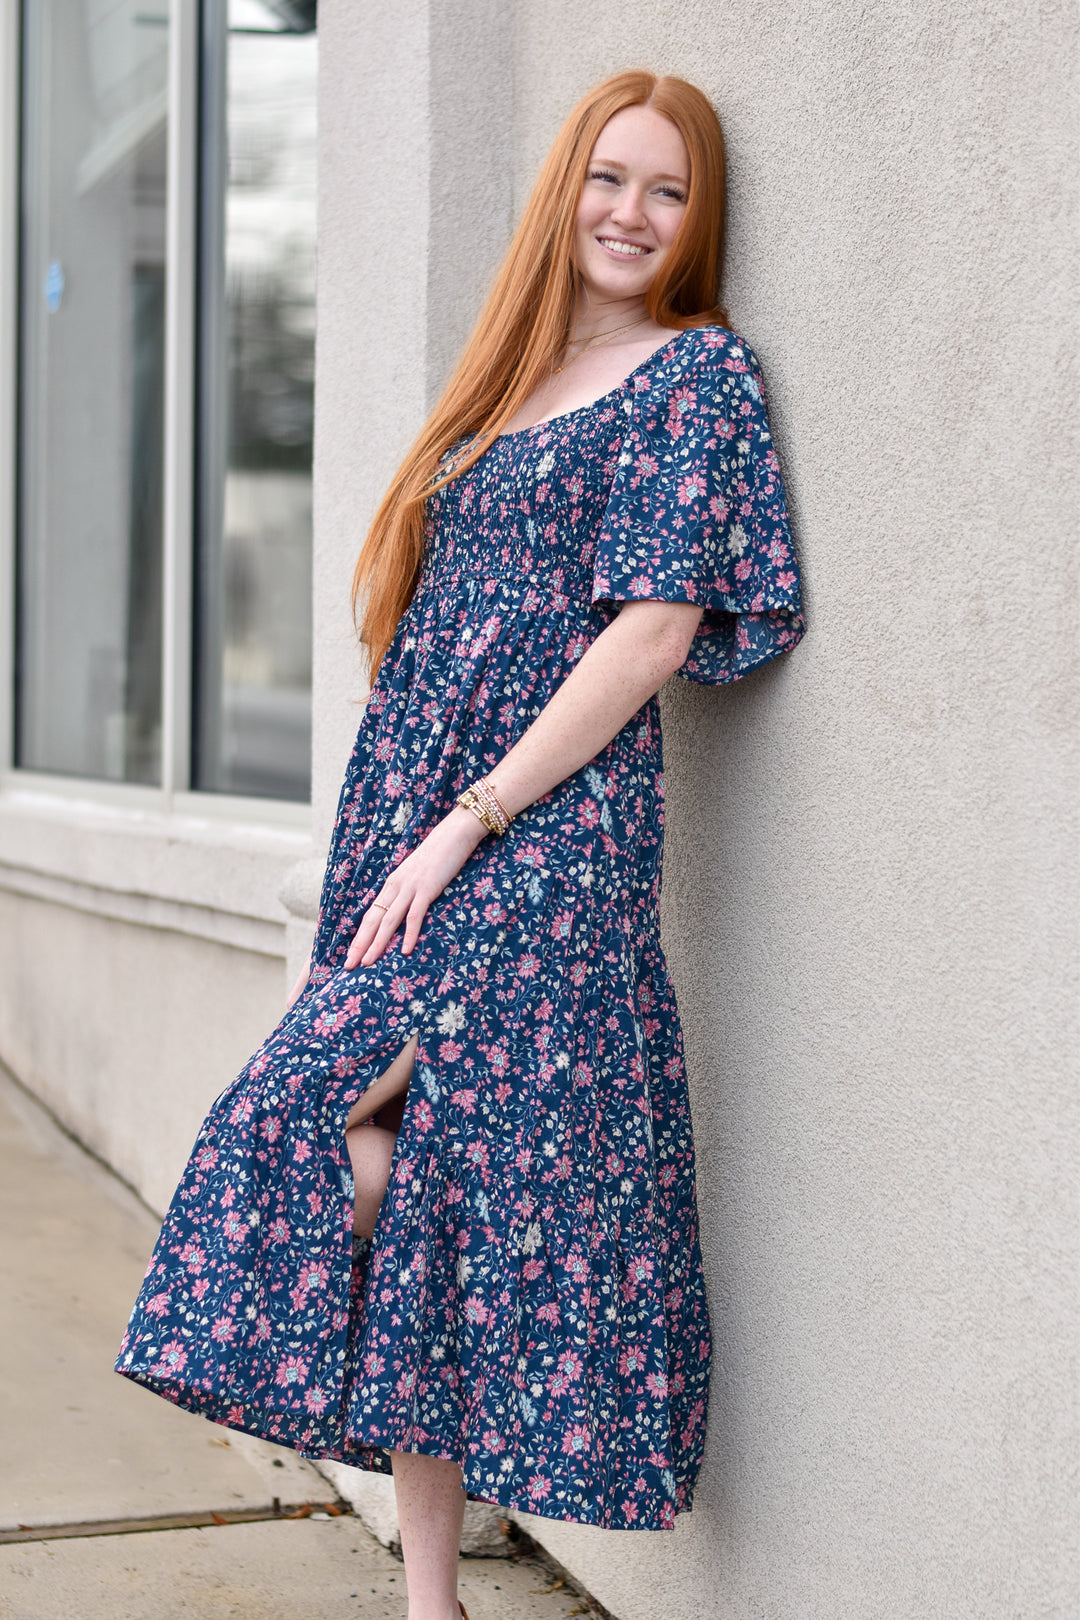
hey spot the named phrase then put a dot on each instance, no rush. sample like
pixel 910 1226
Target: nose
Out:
pixel 629 210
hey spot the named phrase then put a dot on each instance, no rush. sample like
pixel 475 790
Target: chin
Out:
pixel 619 285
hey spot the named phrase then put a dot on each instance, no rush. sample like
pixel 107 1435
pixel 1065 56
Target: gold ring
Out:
pixel 380 908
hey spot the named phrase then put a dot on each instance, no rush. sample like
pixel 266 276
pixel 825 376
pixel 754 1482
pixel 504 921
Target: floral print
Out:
pixel 533 1303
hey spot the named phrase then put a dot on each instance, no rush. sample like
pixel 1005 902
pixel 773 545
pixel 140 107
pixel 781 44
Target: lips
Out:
pixel 623 250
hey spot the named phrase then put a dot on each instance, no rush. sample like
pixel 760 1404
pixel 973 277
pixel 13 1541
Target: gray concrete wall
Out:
pixel 128 1033
pixel 869 903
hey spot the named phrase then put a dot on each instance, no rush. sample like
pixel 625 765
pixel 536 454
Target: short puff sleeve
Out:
pixel 697 511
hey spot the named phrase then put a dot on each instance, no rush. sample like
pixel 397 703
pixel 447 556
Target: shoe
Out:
pixel 464 1611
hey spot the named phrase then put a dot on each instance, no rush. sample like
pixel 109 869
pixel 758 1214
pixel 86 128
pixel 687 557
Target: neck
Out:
pixel 594 315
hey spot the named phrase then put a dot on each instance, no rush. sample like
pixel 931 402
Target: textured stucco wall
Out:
pixel 869 904
pixel 870 901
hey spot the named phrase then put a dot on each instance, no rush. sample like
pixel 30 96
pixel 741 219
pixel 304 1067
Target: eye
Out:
pixel 603 174
pixel 673 192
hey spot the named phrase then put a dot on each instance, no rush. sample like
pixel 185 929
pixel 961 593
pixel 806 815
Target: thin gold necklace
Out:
pixel 601 337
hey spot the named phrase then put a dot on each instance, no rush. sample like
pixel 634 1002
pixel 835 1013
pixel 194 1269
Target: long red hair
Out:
pixel 526 322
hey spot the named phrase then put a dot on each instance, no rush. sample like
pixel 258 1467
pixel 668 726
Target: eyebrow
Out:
pixel 610 163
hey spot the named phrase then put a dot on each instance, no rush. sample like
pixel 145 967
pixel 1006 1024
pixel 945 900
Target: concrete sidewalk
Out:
pixel 101 1480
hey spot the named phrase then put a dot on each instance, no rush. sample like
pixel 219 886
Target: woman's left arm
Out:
pixel 630 659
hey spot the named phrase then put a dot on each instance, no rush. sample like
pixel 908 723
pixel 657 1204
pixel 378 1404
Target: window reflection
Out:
pixel 257 318
pixel 91 370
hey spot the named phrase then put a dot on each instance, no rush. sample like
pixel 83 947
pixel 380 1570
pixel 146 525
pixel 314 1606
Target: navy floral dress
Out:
pixel 534 1307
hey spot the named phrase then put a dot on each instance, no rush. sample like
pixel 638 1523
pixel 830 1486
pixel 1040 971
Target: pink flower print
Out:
pixel 315 1274
pixel 330 1021
pixel 199 1289
pixel 172 1358
pixel 476 1311
pixel 450 1051
pixel 291 1370
pixel 576 1265
pixel 279 1230
pixel 405 1385
pixel 647 465
pixel 589 813
pixel 316 1401
pixel 423 1115
pixel 632 1361
pixel 656 1384
pixel 681 402
pixel 549 1314
pixel 236 1416
pixel 193 1257
pixel 785 580
pixel 465 1100
pixel 476 1154
pixel 561 925
pixel 158 1304
pixel 206 1158
pixel 539 1488
pixel 576 1441
pixel 374 1364
pixel 498 1057
pixel 232 1226
pixel 692 488
pixel 224 1330
pixel 571 1365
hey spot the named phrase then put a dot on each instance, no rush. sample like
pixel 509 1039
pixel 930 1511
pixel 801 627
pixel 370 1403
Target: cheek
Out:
pixel 592 209
pixel 666 226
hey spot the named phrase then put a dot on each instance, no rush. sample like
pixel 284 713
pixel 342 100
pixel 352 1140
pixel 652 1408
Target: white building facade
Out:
pixel 242 242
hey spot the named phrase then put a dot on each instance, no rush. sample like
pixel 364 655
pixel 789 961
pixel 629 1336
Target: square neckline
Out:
pixel 600 399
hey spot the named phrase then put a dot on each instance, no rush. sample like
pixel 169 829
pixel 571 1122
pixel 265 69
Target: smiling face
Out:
pixel 632 204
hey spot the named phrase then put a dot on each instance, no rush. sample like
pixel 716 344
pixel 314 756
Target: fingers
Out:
pixel 381 922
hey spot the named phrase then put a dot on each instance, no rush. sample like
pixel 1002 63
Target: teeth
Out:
pixel 628 248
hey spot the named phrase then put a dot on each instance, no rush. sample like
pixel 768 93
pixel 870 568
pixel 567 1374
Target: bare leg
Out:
pixel 431 1511
pixel 371 1144
pixel 430 1495
pixel 371 1150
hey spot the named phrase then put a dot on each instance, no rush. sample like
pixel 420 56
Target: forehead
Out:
pixel 642 138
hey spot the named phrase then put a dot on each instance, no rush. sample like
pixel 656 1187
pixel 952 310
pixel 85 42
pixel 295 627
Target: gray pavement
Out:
pixel 94 1467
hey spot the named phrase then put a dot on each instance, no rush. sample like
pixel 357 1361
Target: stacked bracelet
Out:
pixel 483 801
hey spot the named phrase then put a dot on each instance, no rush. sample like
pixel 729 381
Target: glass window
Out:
pixel 96 593
pixel 252 721
pixel 92 321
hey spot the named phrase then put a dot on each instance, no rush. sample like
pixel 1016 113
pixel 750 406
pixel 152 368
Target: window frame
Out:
pixel 175 796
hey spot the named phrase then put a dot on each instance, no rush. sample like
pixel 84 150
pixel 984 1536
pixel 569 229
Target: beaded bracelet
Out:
pixel 483 801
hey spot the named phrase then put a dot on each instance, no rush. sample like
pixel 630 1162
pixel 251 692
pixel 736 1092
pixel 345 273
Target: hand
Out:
pixel 411 887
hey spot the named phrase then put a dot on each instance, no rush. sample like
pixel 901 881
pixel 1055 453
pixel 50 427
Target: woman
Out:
pixel 444 1221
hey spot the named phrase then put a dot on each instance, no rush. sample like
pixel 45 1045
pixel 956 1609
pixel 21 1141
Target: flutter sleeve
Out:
pixel 697 511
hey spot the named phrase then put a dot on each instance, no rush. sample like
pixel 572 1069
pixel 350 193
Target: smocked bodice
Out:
pixel 529 510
